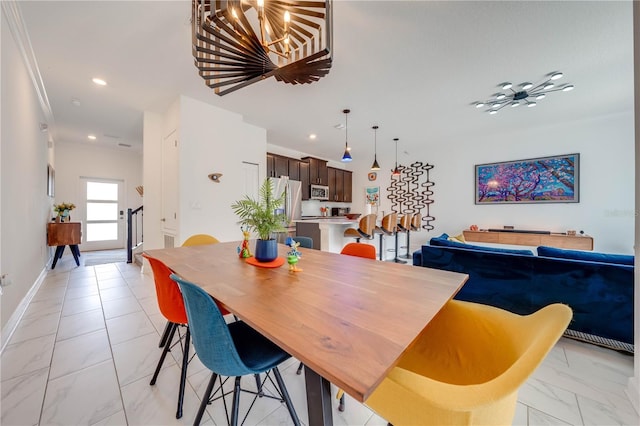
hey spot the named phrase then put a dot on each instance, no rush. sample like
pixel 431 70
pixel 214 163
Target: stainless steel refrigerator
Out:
pixel 292 207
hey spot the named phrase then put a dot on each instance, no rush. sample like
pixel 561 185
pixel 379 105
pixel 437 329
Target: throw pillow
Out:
pixel 459 238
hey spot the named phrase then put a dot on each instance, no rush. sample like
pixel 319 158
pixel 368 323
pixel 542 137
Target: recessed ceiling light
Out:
pixel 99 81
pixel 312 136
pixel 92 137
pixel 75 102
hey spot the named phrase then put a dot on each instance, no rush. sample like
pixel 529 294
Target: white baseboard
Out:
pixel 633 392
pixel 14 320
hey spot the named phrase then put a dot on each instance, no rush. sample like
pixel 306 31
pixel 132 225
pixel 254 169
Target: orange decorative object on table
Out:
pixel 473 228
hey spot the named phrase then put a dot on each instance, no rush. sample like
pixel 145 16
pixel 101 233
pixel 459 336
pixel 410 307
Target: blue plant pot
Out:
pixel 266 250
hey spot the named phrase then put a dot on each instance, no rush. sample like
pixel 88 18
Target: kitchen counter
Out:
pixel 327 232
pixel 334 220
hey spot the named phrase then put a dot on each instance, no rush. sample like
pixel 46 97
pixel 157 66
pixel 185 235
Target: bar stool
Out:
pixel 388 226
pixel 366 228
pixel 404 226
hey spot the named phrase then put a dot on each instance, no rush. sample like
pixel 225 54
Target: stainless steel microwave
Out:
pixel 319 192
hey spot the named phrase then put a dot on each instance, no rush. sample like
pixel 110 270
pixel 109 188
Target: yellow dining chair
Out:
pixel 467 365
pixel 199 240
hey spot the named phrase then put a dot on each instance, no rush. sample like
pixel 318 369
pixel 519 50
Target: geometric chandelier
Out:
pixel 239 42
pixel 525 94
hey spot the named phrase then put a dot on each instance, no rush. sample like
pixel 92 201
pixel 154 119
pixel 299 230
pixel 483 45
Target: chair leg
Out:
pixel 205 399
pixel 299 370
pixel 380 251
pixel 341 404
pixel 167 348
pixel 259 385
pixel 236 402
pixel 165 334
pixel 285 396
pixel 183 373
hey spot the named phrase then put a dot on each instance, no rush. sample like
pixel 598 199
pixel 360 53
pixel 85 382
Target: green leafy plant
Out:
pixel 260 215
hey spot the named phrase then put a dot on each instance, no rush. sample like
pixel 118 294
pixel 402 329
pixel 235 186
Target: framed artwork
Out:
pixel 373 195
pixel 537 180
pixel 51 181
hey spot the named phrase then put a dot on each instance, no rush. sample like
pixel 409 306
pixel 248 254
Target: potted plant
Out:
pixel 63 211
pixel 264 217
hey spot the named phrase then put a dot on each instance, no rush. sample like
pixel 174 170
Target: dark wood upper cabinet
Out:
pixel 347 185
pixel 317 171
pixel 340 182
pixel 332 177
pixel 277 165
pixel 294 169
pixel 304 179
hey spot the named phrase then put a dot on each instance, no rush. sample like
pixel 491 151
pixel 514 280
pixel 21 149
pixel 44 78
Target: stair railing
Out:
pixel 134 231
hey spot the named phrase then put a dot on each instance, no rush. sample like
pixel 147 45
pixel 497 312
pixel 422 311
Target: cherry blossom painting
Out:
pixel 537 180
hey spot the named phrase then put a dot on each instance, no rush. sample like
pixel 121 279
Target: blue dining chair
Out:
pixel 233 350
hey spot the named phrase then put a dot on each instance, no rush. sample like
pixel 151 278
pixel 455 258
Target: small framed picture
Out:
pixel 51 181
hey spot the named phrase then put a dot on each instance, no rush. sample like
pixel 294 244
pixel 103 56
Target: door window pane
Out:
pixel 102 211
pixel 102 231
pixel 102 191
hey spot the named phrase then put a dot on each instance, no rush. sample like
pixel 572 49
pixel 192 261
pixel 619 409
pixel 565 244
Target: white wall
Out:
pixel 24 211
pixel 606 208
pixel 79 160
pixel 210 140
pixel 152 158
pixel 74 161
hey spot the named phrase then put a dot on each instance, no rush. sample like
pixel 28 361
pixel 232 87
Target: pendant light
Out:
pixel 375 165
pixel 396 172
pixel 346 157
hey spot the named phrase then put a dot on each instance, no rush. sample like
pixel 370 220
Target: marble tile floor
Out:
pixel 87 346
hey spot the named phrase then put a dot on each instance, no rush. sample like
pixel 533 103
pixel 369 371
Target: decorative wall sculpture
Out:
pixel 411 192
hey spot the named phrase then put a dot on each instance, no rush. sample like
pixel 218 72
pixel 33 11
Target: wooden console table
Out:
pixel 578 242
pixel 64 234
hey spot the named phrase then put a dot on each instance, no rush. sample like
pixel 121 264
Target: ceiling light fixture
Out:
pixel 239 42
pixel 99 81
pixel 523 94
pixel 346 157
pixel 375 165
pixel 92 137
pixel 396 171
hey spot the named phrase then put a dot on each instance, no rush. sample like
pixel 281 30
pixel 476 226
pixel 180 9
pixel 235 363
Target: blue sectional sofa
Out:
pixel 597 286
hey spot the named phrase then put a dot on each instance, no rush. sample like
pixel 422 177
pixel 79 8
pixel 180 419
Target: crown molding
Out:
pixel 18 29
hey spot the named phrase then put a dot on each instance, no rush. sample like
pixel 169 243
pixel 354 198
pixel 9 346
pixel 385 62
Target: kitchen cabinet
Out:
pixel 340 182
pixel 277 165
pixel 347 185
pixel 318 173
pixel 304 179
pixel 294 168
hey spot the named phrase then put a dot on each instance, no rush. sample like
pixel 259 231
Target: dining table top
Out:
pixel 349 319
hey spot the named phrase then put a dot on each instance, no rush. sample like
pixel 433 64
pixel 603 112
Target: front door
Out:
pixel 104 217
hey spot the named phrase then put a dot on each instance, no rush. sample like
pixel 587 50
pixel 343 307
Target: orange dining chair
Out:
pixel 193 240
pixel 360 250
pixel 172 308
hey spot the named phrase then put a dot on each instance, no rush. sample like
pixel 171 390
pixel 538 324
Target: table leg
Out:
pixel 57 255
pixel 76 253
pixel 318 398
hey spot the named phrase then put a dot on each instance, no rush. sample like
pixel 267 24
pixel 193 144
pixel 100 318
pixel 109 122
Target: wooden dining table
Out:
pixel 348 319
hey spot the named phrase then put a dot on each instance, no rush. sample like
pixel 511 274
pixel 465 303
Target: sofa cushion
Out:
pixel 618 259
pixel 443 241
